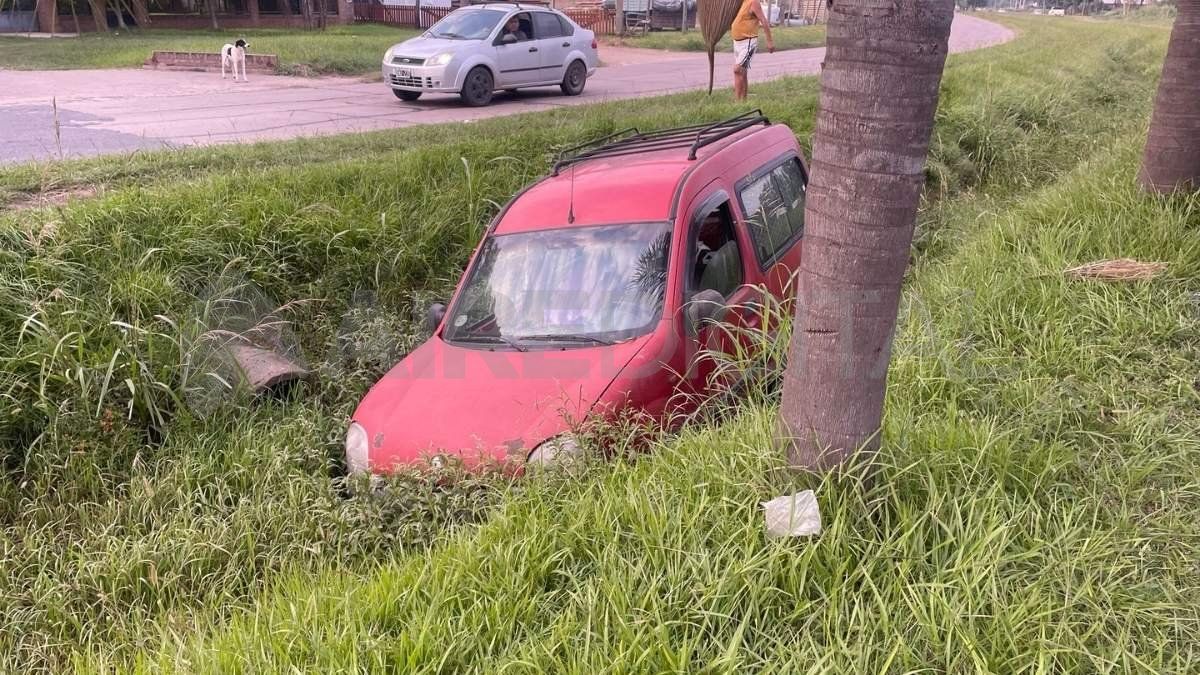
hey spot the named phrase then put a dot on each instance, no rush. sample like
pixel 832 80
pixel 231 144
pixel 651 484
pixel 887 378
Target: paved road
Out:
pixel 110 111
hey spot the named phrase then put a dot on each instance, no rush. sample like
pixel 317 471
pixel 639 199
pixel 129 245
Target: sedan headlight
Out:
pixel 558 451
pixel 356 449
pixel 440 59
pixel 387 56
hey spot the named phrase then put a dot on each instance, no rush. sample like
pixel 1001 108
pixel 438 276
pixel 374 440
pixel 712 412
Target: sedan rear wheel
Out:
pixel 478 87
pixel 576 77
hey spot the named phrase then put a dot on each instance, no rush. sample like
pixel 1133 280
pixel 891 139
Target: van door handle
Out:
pixel 566 44
pixel 533 49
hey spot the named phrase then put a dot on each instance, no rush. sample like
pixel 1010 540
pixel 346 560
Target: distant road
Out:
pixel 113 111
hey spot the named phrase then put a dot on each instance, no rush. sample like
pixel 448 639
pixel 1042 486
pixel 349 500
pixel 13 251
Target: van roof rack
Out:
pixel 631 141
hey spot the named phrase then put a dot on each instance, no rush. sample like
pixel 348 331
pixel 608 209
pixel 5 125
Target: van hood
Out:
pixel 480 404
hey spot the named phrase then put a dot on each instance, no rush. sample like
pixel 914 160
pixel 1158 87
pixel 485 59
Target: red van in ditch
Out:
pixel 592 293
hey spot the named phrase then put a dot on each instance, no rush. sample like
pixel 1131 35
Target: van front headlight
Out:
pixel 440 59
pixel 561 450
pixel 356 449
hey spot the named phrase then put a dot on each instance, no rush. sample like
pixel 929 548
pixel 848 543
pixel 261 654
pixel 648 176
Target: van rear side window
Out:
pixel 774 207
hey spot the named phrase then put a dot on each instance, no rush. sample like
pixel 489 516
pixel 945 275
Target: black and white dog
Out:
pixel 232 56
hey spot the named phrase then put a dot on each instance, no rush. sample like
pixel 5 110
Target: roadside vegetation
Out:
pixel 345 50
pixel 786 37
pixel 1039 486
pixel 1159 12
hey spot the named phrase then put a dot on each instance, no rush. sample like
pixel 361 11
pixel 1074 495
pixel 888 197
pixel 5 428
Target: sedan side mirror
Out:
pixel 705 307
pixel 434 316
pixel 508 39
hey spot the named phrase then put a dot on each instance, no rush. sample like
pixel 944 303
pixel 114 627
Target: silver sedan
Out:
pixel 478 50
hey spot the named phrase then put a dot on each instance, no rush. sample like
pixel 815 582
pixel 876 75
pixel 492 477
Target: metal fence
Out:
pixel 597 19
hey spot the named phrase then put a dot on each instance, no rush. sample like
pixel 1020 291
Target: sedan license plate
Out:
pixel 403 72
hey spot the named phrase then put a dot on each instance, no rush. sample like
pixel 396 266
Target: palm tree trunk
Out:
pixel 212 13
pixel 879 91
pixel 1172 157
pixel 75 17
pixel 252 7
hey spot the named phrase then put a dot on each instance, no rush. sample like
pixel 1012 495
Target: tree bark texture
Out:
pixel 141 13
pixel 879 90
pixel 1171 161
pixel 99 14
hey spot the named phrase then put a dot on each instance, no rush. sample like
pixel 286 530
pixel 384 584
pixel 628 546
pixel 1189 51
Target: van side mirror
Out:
pixel 705 307
pixel 434 316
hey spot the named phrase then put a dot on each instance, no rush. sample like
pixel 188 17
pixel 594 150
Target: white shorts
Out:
pixel 743 51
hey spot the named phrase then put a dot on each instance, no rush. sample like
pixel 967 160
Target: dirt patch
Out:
pixel 37 200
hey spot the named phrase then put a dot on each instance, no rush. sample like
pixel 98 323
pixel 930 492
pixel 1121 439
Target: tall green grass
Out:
pixel 786 37
pixel 1034 510
pixel 133 520
pixel 346 50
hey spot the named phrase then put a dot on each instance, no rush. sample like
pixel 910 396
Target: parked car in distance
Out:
pixel 593 293
pixel 1057 11
pixel 475 51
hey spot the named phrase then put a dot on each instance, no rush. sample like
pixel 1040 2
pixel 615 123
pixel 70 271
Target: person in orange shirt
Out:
pixel 745 42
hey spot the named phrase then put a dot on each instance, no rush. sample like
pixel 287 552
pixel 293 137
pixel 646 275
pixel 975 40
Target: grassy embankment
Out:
pixel 345 50
pixel 786 37
pixel 1036 505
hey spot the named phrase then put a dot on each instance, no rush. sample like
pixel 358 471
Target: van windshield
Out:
pixel 467 24
pixel 574 285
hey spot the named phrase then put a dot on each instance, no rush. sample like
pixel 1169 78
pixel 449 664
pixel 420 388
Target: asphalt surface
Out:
pixel 53 114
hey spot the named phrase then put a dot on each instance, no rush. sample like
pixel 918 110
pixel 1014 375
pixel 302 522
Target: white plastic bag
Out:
pixel 793 515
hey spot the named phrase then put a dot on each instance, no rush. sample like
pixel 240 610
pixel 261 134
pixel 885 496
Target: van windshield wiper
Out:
pixel 564 337
pixel 491 339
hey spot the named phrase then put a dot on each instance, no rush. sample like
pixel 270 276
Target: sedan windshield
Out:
pixel 467 24
pixel 572 286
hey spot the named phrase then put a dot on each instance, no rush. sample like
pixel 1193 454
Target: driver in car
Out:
pixel 513 28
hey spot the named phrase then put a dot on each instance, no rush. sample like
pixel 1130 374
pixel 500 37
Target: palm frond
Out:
pixel 715 17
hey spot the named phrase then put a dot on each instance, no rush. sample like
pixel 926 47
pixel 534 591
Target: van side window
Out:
pixel 717 262
pixel 774 208
pixel 790 180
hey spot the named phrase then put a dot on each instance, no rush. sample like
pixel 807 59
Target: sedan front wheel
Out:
pixel 478 87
